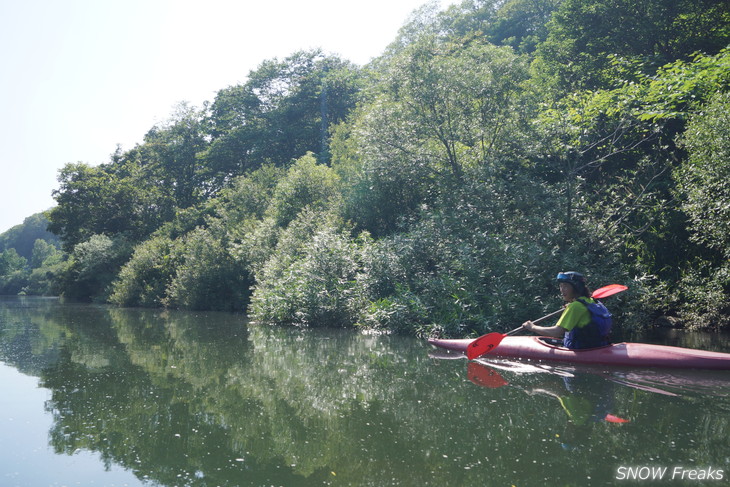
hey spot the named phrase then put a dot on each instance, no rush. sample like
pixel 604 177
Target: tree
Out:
pixel 136 191
pixel 583 33
pixel 44 253
pixel 441 110
pixel 522 24
pixel 707 172
pixel 11 261
pixel 22 237
pixel 458 99
pixel 94 265
pixel 145 277
pixel 170 156
pixel 247 198
pixel 110 199
pixel 283 111
pixel 704 192
pixel 208 276
pixel 80 203
pixel 13 272
pixel 306 184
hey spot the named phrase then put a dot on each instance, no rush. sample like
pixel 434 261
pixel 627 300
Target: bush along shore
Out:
pixel 436 190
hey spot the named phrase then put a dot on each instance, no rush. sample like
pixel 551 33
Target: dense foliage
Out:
pixel 22 237
pixel 31 261
pixel 438 189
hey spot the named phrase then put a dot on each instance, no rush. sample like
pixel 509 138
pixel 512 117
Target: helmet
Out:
pixel 576 279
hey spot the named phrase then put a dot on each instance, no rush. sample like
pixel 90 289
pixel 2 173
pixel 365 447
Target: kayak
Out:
pixel 629 354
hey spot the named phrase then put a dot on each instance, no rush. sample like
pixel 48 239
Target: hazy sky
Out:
pixel 81 76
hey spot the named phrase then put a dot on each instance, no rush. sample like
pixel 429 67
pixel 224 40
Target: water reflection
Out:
pixel 585 401
pixel 205 399
pixel 664 381
pixel 660 416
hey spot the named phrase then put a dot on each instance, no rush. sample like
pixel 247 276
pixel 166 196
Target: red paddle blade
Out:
pixel 484 376
pixel 615 419
pixel 483 344
pixel 609 290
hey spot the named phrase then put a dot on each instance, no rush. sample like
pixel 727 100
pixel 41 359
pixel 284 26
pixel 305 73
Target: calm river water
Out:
pixel 102 396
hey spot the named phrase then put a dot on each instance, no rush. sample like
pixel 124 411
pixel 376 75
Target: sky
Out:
pixel 80 77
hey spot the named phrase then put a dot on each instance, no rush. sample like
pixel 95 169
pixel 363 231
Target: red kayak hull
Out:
pixel 628 354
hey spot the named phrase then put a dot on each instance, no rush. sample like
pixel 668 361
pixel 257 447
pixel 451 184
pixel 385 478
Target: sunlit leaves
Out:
pixel 306 184
pixel 704 178
pixel 458 96
pixel 283 110
pixel 585 34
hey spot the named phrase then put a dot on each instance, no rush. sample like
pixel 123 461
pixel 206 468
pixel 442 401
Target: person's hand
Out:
pixel 527 325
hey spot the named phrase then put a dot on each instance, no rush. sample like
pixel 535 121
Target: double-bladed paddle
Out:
pixel 487 343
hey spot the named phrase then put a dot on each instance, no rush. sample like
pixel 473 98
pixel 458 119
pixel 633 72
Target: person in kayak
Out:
pixel 585 323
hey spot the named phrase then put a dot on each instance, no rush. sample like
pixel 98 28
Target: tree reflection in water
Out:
pixel 207 399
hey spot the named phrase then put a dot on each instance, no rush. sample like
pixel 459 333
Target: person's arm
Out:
pixel 550 331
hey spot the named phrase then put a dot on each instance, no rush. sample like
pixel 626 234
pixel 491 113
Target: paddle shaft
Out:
pixel 486 343
pixel 539 320
pixel 603 292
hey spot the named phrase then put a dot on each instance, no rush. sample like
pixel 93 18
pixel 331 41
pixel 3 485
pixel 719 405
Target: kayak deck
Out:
pixel 626 353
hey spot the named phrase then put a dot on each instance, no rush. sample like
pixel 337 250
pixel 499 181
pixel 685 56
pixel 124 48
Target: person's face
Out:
pixel 567 291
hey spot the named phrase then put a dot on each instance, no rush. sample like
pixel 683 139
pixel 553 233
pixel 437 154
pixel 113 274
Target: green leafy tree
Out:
pixel 22 237
pixel 94 265
pixel 144 279
pixel 44 253
pixel 247 197
pixel 11 261
pixel 442 109
pixel 110 199
pixel 307 184
pixel 310 279
pixel 208 276
pixel 704 188
pixel 583 33
pixel 170 156
pixel 46 280
pixel 706 172
pixel 457 100
pixel 522 24
pixel 282 112
pixel 15 278
pixel 81 204
pixel 136 191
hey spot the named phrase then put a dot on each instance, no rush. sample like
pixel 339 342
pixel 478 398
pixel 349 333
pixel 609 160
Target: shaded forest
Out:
pixel 436 190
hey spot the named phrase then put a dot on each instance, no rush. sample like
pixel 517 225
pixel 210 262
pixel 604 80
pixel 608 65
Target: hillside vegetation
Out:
pixel 439 189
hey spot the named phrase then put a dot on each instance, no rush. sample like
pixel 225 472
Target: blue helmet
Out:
pixel 576 279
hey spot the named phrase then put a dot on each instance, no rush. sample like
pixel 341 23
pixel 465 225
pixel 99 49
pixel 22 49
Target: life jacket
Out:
pixel 595 333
